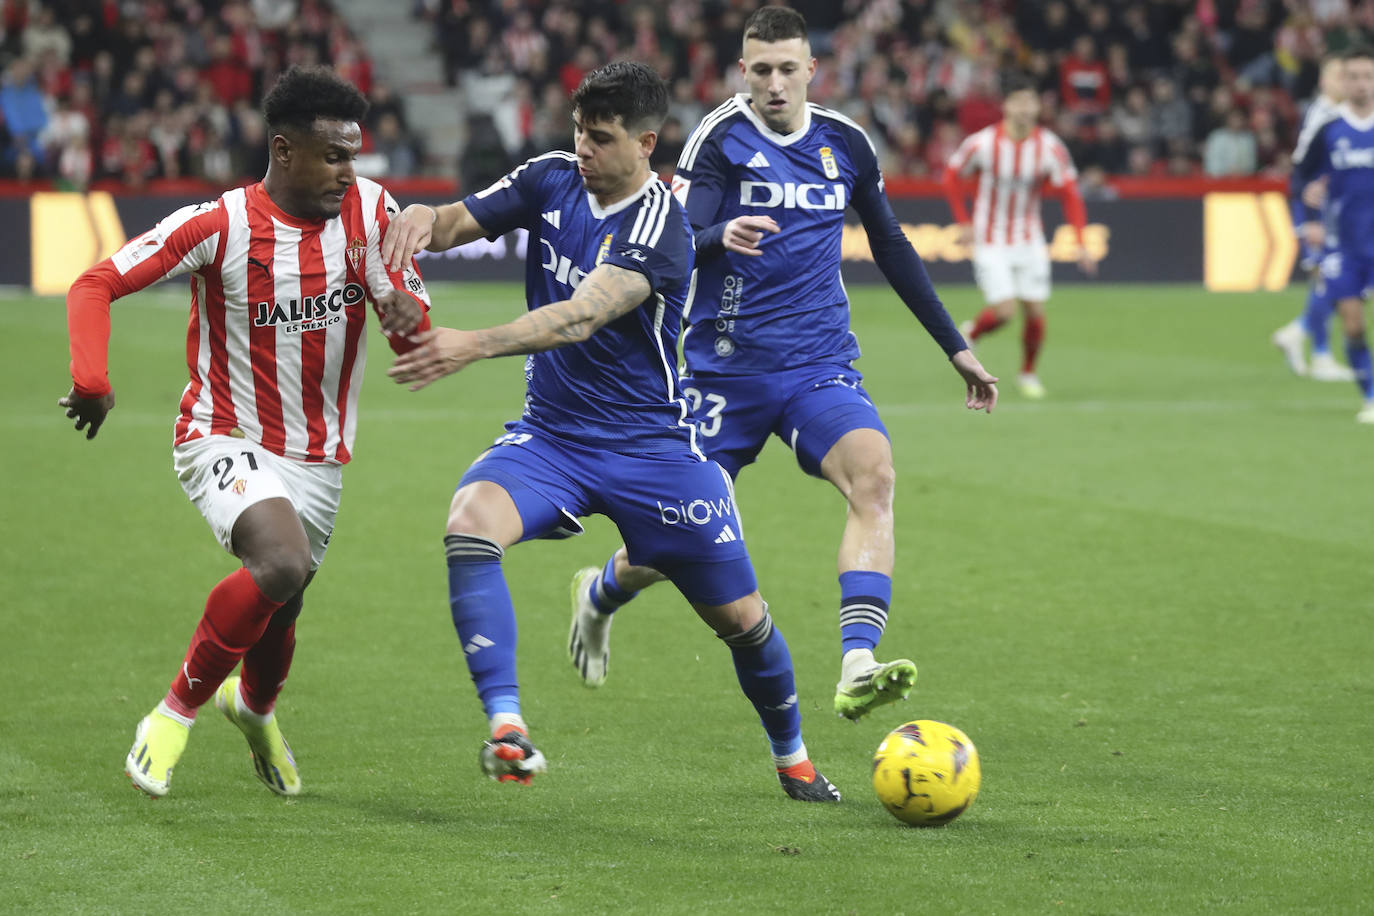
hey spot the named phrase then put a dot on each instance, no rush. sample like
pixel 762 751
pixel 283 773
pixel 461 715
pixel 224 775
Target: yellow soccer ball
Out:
pixel 926 773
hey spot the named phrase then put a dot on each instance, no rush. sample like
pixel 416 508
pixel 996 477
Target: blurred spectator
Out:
pixel 1171 118
pixel 24 112
pixel 1231 148
pixel 1084 84
pixel 390 140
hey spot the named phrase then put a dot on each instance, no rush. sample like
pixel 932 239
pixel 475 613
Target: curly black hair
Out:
pixel 629 90
pixel 303 94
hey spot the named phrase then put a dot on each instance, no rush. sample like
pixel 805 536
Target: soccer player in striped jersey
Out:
pixel 766 179
pixel 605 427
pixel 1339 165
pixel 281 272
pixel 1318 259
pixel 1015 161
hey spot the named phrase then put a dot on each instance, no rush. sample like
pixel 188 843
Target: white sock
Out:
pixel 791 759
pixel 246 714
pixel 167 711
pixel 507 718
pixel 855 663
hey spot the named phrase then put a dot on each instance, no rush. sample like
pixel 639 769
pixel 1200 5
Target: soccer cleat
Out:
pixel 273 761
pixel 1290 339
pixel 589 638
pixel 158 744
pixel 1030 386
pixel 1366 414
pixel 966 330
pixel 510 757
pixel 804 782
pixel 874 687
pixel 1324 368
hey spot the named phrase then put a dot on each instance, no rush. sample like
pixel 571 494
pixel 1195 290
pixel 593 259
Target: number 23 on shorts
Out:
pixel 709 423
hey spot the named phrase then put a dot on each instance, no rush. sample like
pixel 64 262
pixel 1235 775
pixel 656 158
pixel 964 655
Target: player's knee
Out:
pixel 288 612
pixel 281 574
pixel 874 485
pixel 473 512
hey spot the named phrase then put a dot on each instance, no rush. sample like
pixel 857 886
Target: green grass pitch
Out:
pixel 1147 599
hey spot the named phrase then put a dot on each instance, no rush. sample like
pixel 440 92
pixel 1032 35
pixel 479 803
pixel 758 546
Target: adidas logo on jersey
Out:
pixel 553 218
pixel 477 644
pixel 758 162
pixel 727 534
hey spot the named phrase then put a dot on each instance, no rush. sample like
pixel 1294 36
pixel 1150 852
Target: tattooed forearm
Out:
pixel 603 296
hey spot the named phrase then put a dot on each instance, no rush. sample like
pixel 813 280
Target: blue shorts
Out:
pixel 808 408
pixel 675 514
pixel 1348 274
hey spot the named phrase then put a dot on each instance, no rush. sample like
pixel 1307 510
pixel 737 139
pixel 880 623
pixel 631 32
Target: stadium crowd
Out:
pixel 147 89
pixel 1155 87
pixel 132 91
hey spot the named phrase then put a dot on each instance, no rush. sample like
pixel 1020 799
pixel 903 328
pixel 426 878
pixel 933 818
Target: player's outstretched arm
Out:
pixel 981 385
pixel 603 296
pixel 434 228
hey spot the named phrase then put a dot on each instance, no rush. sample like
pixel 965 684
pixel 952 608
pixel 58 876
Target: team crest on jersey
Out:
pixel 605 248
pixel 239 486
pixel 828 163
pixel 356 249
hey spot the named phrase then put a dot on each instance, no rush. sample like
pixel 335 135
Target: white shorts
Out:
pixel 1005 272
pixel 223 475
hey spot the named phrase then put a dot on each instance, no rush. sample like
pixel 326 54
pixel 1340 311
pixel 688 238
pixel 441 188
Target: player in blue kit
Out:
pixel 1317 259
pixel 1339 166
pixel 605 427
pixel 766 179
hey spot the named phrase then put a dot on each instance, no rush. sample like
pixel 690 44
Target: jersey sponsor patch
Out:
pixel 680 187
pixel 138 250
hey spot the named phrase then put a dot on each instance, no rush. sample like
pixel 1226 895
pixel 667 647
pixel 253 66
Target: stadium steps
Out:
pixel 403 55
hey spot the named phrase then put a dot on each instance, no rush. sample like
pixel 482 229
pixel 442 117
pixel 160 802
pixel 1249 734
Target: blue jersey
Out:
pixel 617 389
pixel 749 315
pixel 1321 112
pixel 1343 151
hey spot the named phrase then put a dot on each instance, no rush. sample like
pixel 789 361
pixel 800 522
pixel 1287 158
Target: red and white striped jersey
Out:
pixel 276 344
pixel 1011 174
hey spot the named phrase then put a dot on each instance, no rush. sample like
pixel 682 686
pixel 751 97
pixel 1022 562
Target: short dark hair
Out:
pixel 1017 82
pixel 1358 52
pixel 303 94
pixel 775 23
pixel 626 89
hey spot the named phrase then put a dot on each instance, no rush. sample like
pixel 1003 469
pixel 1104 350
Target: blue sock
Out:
pixel 1316 317
pixel 1357 351
pixel 606 594
pixel 484 618
pixel 864 599
pixel 764 668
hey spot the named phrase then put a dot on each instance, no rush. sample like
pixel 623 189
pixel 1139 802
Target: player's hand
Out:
pixel 442 351
pixel 399 313
pixel 89 413
pixel 982 387
pixel 407 234
pixel 743 234
pixel 1086 262
pixel 1314 194
pixel 965 236
pixel 1314 234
